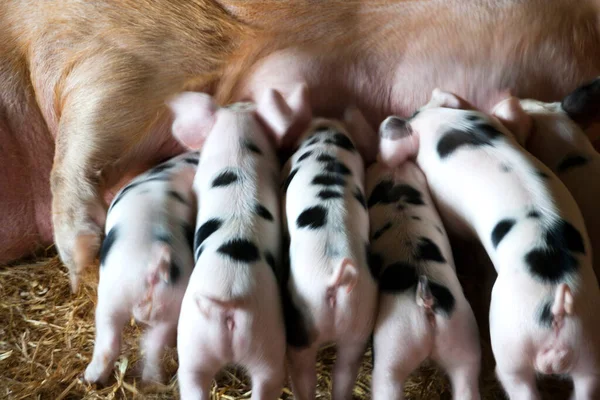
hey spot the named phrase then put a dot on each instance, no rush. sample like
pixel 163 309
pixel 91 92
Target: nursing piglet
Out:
pixel 333 297
pixel 231 312
pixel 145 263
pixel 543 316
pixel 423 312
pixel 554 133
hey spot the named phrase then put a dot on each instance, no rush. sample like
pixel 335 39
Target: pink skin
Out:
pixel 134 277
pixel 548 132
pixel 394 58
pixel 408 331
pixel 571 347
pixel 231 312
pixel 336 295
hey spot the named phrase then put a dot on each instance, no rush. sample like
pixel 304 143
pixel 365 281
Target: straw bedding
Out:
pixel 47 337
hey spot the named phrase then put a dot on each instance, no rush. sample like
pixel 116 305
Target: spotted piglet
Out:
pixel 542 314
pixel 231 311
pixel 423 312
pixel 145 263
pixel 554 133
pixel 332 295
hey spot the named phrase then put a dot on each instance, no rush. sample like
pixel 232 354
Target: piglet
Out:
pixel 555 134
pixel 423 312
pixel 330 293
pixel 145 263
pixel 231 311
pixel 542 313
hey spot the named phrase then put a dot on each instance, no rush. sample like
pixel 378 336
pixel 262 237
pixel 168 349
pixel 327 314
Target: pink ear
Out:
pixel 516 120
pixel 194 116
pixel 397 142
pixel 281 114
pixel 363 135
pixel 440 98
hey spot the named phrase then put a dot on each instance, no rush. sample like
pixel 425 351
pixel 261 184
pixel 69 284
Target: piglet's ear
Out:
pixel 397 141
pixel 194 116
pixel 363 135
pixel 285 116
pixel 583 104
pixel 514 118
pixel 440 98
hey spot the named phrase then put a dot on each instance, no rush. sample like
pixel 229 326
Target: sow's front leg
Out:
pixel 110 100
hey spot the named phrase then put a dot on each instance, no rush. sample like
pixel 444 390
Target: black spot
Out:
pixel 288 180
pixel 324 157
pixel 375 262
pixel 360 197
pixel 479 135
pixel 328 180
pixel 205 230
pixel 311 140
pixel 296 327
pixel 305 156
pixel 398 277
pixel 342 141
pixel 505 168
pixel 108 243
pixel 225 178
pixel 241 250
pixel 545 316
pixel 174 273
pixel 444 301
pixel 177 196
pixel 189 234
pixel 379 232
pixel 163 236
pixel 198 252
pixel 313 217
pixel 122 193
pixel 416 218
pixel 429 251
pixel 571 236
pixel 161 168
pixel 329 194
pixel 553 262
pixel 534 214
pixel 250 145
pixel 263 212
pixel 386 192
pixel 193 161
pixel 501 229
pixel 336 167
pixel 542 174
pixel 571 161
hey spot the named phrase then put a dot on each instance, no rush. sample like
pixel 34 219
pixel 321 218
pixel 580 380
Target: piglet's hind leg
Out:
pixel 268 383
pixel 303 371
pixel 519 384
pixel 155 340
pixel 109 326
pixel 194 384
pixel 586 387
pixel 347 363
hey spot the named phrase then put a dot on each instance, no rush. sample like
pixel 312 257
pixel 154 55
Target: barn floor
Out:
pixel 47 336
